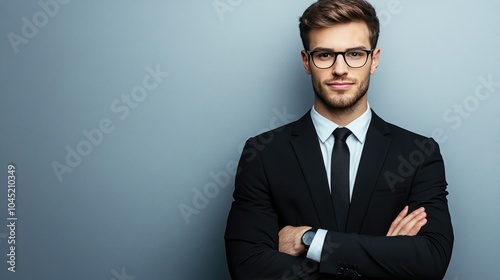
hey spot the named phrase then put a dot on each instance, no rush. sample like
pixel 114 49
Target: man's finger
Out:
pixel 410 223
pixel 396 221
pixel 416 229
pixel 405 225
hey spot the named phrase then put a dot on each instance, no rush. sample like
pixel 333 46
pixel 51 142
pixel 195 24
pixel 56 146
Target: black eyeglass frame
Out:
pixel 311 55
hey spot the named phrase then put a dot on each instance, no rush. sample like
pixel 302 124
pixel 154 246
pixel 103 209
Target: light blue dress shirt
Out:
pixel 355 142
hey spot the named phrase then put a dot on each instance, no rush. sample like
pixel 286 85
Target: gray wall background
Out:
pixel 68 68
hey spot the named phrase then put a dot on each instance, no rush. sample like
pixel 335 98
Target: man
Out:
pixel 328 196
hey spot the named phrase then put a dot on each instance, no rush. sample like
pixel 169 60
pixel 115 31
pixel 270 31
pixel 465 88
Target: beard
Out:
pixel 341 101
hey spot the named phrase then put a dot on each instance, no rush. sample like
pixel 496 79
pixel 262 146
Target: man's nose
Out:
pixel 340 67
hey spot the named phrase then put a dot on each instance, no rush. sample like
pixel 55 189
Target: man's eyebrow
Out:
pixel 357 48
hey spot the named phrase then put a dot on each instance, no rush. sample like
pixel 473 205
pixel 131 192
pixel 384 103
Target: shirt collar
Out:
pixel 358 127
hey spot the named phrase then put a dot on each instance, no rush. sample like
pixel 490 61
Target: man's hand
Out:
pixel 290 240
pixel 408 224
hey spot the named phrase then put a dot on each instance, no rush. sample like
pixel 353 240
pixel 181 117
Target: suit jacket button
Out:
pixel 341 271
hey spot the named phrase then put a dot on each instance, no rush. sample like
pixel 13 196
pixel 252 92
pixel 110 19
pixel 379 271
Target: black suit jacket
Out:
pixel 281 181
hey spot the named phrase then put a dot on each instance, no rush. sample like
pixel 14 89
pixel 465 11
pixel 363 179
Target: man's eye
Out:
pixel 355 54
pixel 324 55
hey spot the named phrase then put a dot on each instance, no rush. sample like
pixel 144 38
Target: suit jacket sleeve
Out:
pixel 252 228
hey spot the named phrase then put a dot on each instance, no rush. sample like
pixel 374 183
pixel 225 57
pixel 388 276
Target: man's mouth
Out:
pixel 340 85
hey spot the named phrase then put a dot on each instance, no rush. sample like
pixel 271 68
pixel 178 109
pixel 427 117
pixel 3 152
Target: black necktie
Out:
pixel 340 177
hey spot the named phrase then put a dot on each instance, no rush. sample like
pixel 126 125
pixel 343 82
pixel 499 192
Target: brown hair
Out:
pixel 325 13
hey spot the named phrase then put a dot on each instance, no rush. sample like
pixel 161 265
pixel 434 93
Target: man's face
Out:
pixel 340 88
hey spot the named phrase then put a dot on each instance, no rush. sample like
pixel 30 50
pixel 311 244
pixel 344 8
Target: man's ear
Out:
pixel 305 61
pixel 375 60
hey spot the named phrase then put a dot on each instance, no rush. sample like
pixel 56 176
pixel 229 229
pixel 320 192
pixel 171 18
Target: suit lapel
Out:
pixel 372 159
pixel 306 147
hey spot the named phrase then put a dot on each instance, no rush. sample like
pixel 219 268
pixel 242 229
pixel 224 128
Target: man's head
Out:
pixel 340 38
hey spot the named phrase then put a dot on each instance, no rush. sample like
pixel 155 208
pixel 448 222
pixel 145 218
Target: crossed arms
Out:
pixel 405 224
pixel 261 243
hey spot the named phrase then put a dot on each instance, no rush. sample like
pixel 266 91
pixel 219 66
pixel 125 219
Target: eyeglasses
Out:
pixel 324 59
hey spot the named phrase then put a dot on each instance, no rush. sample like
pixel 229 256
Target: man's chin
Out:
pixel 341 102
pixel 338 104
pixel 341 107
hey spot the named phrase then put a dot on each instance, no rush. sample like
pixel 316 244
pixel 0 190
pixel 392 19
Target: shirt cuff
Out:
pixel 314 252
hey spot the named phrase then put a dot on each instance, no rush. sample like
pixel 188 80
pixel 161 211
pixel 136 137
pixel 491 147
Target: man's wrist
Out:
pixel 308 237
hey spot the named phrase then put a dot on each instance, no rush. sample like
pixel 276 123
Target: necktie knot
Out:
pixel 341 133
